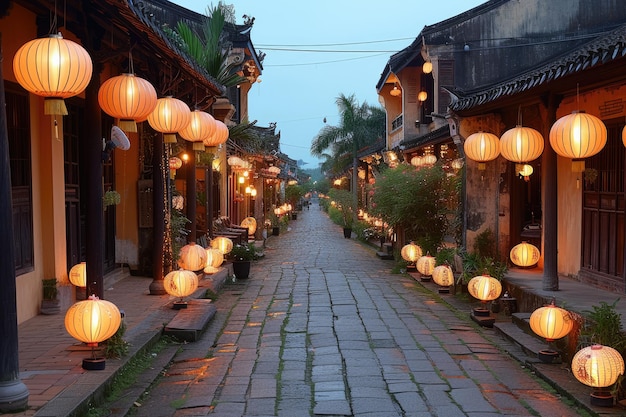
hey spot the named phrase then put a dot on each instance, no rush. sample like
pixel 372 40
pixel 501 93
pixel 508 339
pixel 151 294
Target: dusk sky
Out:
pixel 319 49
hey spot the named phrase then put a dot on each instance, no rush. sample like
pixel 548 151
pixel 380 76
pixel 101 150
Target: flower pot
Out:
pixel 241 269
pixel 275 231
pixel 50 307
pixel 347 232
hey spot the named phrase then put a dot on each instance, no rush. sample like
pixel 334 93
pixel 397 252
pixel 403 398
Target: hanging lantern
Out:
pixel 395 91
pixel 521 144
pixel 411 252
pixel 599 367
pixel 200 128
pixel 524 170
pixel 524 254
pixel 175 163
pixel 222 243
pixel 180 284
pixel 169 117
pixel 482 147
pixel 219 136
pixel 577 136
pixel 484 288
pixel 425 265
pixel 551 322
pixel 416 161
pixel 427 67
pixel 78 275
pixel 443 276
pixel 457 164
pixel 429 160
pixel 624 135
pixel 214 259
pixel 54 68
pixel 192 257
pixel 93 321
pixel 128 98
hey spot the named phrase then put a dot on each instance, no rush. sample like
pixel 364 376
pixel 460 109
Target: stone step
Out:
pixel 531 345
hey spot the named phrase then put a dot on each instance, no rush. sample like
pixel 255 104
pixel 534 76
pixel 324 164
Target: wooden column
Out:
pixel 191 192
pixel 158 201
pixel 550 281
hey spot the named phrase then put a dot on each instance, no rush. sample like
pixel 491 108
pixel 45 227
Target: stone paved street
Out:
pixel 322 328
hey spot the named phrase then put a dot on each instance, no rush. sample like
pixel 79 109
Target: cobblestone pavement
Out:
pixel 322 328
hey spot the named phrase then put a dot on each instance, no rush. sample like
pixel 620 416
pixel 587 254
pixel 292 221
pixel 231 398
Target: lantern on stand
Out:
pixel 444 277
pixel 411 253
pixel 78 277
pixel 214 259
pixel 192 257
pixel 599 367
pixel 222 243
pixel 524 255
pixel 552 323
pixel 93 321
pixel 484 288
pixel 180 284
pixel 425 265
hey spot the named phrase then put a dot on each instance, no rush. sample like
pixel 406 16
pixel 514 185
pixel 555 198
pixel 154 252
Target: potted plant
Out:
pixel 111 198
pixel 241 256
pixel 50 302
pixel 343 210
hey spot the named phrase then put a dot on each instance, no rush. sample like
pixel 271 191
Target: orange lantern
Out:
pixel 249 222
pixel 484 288
pixel 524 254
pixel 482 147
pixel 416 161
pixel 169 117
pixel 192 257
pixel 425 265
pixel 577 136
pixel 200 128
pixel 411 252
pixel 78 275
pixel 551 322
pixel 222 243
pixel 128 98
pixel 521 144
pixel 174 164
pixel 599 367
pixel 443 276
pixel 180 284
pixel 219 136
pixel 427 67
pixel 93 321
pixel 214 259
pixel 54 68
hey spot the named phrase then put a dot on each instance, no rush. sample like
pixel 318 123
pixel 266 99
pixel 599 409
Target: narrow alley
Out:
pixel 322 328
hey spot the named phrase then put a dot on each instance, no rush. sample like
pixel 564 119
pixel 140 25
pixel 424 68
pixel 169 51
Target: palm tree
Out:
pixel 359 126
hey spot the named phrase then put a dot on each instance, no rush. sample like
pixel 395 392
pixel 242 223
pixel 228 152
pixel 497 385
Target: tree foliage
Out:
pixel 419 201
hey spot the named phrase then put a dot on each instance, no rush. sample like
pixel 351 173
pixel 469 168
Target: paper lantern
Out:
pixel 250 223
pixel 524 254
pixel 175 163
pixel 219 136
pixel 192 257
pixel 577 136
pixel 427 67
pixel 443 276
pixel 93 320
pixel 411 252
pixel 78 275
pixel 484 288
pixel 54 68
pixel 425 265
pixel 214 259
pixel 429 160
pixel 416 161
pixel 597 366
pixel 395 91
pixel 222 243
pixel 200 128
pixel 525 170
pixel 128 98
pixel 521 144
pixel 551 322
pixel 482 147
pixel 169 116
pixel 180 284
pixel 422 96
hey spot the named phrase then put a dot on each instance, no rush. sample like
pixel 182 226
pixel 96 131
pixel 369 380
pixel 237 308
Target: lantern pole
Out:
pixel 13 392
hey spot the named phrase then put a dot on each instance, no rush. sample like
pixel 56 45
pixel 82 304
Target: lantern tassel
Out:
pixel 54 106
pixel 127 125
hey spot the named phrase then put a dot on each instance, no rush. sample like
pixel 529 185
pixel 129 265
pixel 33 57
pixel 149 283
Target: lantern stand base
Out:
pixel 444 290
pixel 548 356
pixel 482 320
pixel 94 364
pixel 481 312
pixel 602 399
pixel 179 305
pixel 425 278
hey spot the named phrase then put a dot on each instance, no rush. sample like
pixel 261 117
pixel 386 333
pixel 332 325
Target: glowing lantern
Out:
pixel 174 164
pixel 54 68
pixel 551 322
pixel 200 128
pixel 416 161
pixel 250 223
pixel 599 367
pixel 180 284
pixel 524 170
pixel 127 98
pixel 411 252
pixel 521 144
pixel 443 276
pixel 78 275
pixel 524 254
pixel 482 147
pixel 222 243
pixel 192 257
pixel 425 265
pixel 214 259
pixel 427 67
pixel 395 91
pixel 169 117
pixel 429 160
pixel 219 136
pixel 578 136
pixel 93 321
pixel 484 288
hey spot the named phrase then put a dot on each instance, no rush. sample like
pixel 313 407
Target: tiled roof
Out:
pixel 441 133
pixel 599 51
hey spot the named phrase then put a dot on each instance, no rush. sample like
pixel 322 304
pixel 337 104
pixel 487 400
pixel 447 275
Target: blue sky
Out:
pixel 299 87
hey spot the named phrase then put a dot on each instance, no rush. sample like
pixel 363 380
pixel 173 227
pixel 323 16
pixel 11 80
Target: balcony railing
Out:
pixel 396 123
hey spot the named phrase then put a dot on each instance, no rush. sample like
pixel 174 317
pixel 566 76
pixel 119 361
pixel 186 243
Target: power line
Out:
pixel 323 62
pixel 343 51
pixel 328 44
